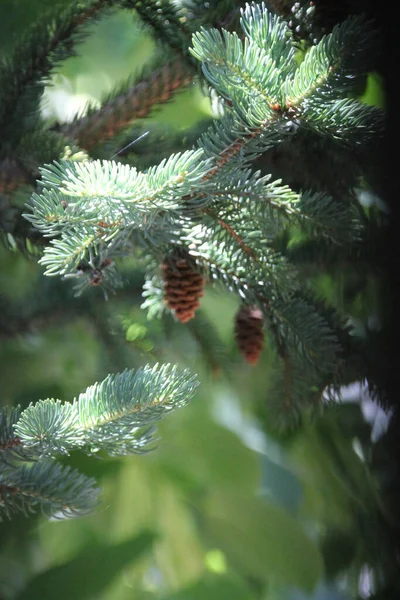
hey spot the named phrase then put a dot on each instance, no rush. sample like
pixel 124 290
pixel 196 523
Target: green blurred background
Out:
pixel 224 508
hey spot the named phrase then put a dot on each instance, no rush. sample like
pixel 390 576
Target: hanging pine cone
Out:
pixel 183 286
pixel 249 333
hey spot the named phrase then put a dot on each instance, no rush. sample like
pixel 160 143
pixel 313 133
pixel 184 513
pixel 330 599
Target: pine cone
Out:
pixel 249 333
pixel 183 286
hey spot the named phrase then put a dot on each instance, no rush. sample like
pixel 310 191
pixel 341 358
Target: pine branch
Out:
pixel 11 448
pixel 206 203
pixel 117 218
pixel 269 33
pixel 124 107
pixel 149 202
pixel 49 428
pixel 294 161
pixel 55 491
pixel 329 68
pixel 218 13
pixel 249 74
pixel 45 45
pixel 121 411
pixel 298 325
pixel 218 249
pixel 233 145
pixel 274 207
pixel 346 120
pixel 116 415
pixel 165 21
pixel 251 253
pixel 263 85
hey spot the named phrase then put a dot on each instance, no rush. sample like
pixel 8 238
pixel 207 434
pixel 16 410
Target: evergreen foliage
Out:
pixel 208 201
pixel 237 225
pixel 273 201
pixel 116 416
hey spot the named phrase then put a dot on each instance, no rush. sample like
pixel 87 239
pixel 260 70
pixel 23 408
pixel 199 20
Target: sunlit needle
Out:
pixel 131 143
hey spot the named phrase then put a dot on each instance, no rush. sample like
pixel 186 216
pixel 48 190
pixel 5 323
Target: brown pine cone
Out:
pixel 249 332
pixel 182 287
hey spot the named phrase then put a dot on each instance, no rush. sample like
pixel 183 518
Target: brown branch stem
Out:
pixel 249 251
pixel 135 103
pixel 15 441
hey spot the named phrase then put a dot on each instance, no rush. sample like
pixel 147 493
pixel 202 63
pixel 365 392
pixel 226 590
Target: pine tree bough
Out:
pixel 47 42
pixel 122 110
pixel 208 202
pixel 203 214
pixel 116 416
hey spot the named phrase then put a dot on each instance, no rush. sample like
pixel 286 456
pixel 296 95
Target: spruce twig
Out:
pixel 123 109
pixel 36 55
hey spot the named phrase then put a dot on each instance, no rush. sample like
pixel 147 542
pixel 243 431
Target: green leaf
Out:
pixel 89 572
pixel 263 541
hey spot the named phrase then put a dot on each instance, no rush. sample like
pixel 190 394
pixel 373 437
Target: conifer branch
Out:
pixel 201 214
pixel 218 13
pixel 167 24
pixel 116 415
pixel 300 326
pixel 11 448
pixel 232 233
pixel 236 147
pixel 328 69
pixel 46 486
pixel 123 108
pixel 44 45
pixel 208 203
